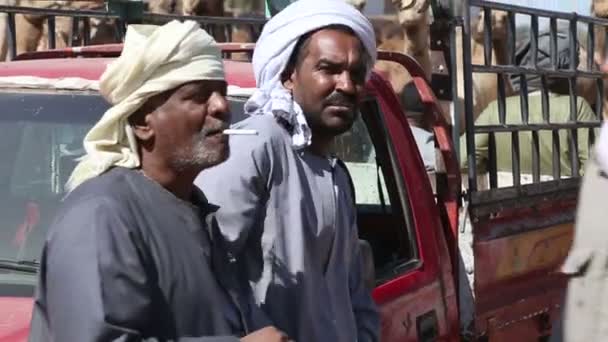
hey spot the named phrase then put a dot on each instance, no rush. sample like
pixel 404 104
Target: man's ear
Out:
pixel 140 123
pixel 287 78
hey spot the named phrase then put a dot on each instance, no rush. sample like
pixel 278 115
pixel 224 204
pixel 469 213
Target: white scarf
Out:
pixel 154 59
pixel 275 46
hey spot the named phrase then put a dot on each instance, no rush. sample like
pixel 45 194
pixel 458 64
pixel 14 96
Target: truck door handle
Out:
pixel 427 327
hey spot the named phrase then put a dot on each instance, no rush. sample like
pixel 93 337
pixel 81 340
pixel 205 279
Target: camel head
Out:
pixel 412 12
pixel 359 4
pixel 187 7
pixel 499 26
pixel 599 8
pixel 203 7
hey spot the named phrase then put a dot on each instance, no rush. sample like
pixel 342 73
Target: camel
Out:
pixel 412 37
pixel 187 7
pixel 359 4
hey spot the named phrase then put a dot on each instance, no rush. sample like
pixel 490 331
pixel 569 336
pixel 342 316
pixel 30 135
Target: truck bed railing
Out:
pixel 221 28
pixel 503 123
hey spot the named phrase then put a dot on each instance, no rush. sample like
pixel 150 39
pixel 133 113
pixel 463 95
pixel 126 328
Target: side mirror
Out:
pixel 368 268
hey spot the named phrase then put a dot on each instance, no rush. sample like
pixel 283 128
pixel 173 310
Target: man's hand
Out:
pixel 268 334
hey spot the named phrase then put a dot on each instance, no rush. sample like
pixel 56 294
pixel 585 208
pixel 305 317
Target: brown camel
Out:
pixel 408 33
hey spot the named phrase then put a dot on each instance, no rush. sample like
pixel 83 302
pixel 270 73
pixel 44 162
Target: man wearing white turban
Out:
pixel 285 203
pixel 130 255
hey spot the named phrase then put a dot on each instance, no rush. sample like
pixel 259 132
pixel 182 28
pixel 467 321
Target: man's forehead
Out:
pixel 203 84
pixel 335 43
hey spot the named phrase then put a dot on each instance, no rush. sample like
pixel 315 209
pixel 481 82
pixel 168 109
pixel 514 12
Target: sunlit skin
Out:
pixel 328 84
pixel 180 133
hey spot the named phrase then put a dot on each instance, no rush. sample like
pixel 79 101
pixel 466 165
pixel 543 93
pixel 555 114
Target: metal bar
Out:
pixel 534 39
pixel 544 93
pixel 57 12
pixel 119 30
pixel 535 157
pixel 487 36
pixel 590 46
pixel 573 44
pixel 531 127
pixel 511 38
pixel 605 52
pixel 556 154
pixel 228 32
pixel 591 142
pixel 599 105
pixel 206 19
pixel 73 31
pixel 455 96
pixel 86 31
pixel 536 11
pixel 468 97
pixel 502 96
pixel 509 69
pixel 574 162
pixel 12 35
pixel 515 152
pixel 553 38
pixel 523 97
pixel 573 99
pixel 52 39
pixel 492 160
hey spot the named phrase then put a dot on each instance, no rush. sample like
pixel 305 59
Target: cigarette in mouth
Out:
pixel 240 132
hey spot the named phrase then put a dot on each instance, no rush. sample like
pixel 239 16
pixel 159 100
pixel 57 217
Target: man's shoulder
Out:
pixel 113 185
pixel 265 125
pixel 270 134
pixel 96 198
pixel 110 190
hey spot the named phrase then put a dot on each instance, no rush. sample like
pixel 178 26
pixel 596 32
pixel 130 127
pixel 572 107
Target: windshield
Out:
pixel 41 138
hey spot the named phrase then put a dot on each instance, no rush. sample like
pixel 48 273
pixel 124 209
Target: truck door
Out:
pixel 524 153
pixel 399 218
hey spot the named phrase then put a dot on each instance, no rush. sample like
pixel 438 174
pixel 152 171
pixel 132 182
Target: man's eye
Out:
pixel 329 68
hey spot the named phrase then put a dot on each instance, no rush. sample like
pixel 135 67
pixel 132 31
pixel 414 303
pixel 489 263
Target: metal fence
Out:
pixel 571 128
pixel 80 31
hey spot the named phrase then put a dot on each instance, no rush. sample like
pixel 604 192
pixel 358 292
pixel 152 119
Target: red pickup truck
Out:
pixel 50 102
pixel 409 217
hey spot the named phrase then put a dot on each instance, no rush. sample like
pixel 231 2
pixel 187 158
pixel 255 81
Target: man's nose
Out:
pixel 346 83
pixel 218 107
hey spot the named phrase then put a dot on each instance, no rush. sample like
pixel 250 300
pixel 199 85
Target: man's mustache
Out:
pixel 340 99
pixel 215 129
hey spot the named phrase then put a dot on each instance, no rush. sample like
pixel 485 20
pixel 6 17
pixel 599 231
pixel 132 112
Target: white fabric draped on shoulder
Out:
pixel 154 59
pixel 275 46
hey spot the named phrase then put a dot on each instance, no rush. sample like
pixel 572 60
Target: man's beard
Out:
pixel 203 153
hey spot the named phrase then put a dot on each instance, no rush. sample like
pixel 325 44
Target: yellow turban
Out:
pixel 154 59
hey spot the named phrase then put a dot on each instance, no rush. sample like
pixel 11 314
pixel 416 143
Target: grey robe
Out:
pixel 125 260
pixel 289 220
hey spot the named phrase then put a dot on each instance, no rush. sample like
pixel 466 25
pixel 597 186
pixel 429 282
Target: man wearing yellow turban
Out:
pixel 130 256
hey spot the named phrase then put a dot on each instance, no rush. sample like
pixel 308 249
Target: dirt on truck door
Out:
pixel 523 154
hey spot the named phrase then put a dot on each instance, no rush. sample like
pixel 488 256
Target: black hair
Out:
pixel 300 51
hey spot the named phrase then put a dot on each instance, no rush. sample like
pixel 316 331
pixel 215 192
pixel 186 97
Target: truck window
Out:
pixel 40 142
pixel 383 212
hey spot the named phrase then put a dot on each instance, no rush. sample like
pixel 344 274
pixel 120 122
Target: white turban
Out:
pixel 276 44
pixel 154 59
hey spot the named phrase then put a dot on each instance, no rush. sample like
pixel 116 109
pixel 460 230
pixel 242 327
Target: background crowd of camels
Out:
pixel 407 30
